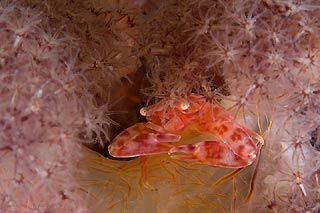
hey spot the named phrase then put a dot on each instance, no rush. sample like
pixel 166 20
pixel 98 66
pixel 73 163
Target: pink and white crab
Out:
pixel 220 140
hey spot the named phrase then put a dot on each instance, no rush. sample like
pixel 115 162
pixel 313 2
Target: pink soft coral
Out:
pixel 41 113
pixel 258 58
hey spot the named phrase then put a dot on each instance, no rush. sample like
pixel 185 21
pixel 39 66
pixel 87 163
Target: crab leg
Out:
pixel 227 130
pixel 139 140
pixel 212 153
pixel 236 138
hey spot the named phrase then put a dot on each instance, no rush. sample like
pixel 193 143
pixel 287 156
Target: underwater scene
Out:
pixel 159 106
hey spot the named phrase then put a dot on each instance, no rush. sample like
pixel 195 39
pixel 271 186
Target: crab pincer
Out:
pixel 211 153
pixel 232 146
pixel 139 140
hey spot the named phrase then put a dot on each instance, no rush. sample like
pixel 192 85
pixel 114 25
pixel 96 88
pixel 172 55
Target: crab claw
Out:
pixel 139 140
pixel 212 153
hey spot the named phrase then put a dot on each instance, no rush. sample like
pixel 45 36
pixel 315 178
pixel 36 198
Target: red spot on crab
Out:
pixel 221 130
pixel 236 137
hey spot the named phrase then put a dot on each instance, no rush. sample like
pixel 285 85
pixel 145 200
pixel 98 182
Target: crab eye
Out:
pixel 184 105
pixel 143 111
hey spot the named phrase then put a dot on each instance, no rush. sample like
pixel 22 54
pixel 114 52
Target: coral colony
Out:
pixel 163 106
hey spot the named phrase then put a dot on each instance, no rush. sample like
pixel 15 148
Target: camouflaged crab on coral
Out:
pixel 75 74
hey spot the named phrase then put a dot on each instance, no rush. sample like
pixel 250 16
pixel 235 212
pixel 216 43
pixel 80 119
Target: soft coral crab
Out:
pixel 225 143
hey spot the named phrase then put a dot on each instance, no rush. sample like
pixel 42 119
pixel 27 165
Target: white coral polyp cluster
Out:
pixel 38 114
